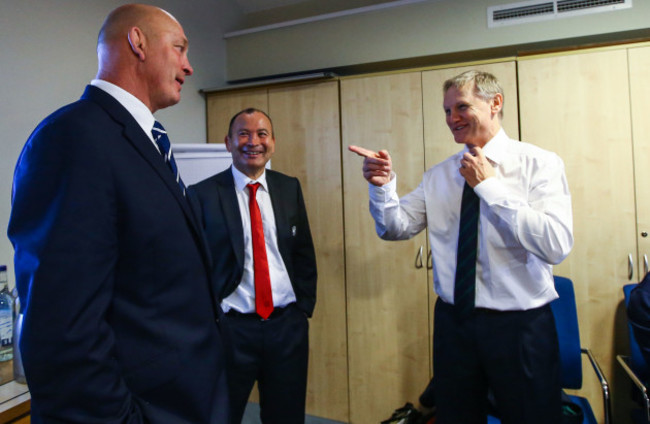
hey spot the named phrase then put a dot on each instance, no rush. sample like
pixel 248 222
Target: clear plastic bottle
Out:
pixel 6 317
pixel 19 372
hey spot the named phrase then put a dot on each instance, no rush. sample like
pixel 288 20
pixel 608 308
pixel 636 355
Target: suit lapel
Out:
pixel 141 142
pixel 280 204
pixel 225 185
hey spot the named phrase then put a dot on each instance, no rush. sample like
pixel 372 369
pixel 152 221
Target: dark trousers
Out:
pixel 515 354
pixel 274 353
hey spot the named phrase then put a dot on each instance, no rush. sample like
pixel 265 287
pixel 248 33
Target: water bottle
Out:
pixel 6 317
pixel 19 372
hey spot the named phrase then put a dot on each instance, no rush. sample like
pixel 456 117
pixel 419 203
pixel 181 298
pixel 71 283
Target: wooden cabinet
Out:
pixel 222 106
pixel 306 125
pixel 639 64
pixel 578 105
pixel 389 351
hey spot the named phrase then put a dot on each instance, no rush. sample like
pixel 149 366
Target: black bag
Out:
pixel 407 414
pixel 571 411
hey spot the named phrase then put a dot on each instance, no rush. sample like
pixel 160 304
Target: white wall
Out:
pixel 47 56
pixel 419 30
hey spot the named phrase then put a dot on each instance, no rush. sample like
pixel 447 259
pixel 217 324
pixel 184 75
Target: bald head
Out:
pixel 120 20
pixel 143 50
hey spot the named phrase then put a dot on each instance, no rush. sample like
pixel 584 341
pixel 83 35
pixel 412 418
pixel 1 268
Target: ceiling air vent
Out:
pixel 541 10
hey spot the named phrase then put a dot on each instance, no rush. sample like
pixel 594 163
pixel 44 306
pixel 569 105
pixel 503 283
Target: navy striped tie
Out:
pixel 161 139
pixel 465 286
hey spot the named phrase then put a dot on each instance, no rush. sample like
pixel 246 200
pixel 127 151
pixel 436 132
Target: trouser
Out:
pixel 515 354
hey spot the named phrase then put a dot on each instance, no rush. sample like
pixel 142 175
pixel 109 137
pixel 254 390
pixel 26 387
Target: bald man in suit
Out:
pixel 120 322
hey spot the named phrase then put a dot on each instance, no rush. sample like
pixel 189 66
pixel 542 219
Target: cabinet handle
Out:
pixel 429 260
pixel 644 234
pixel 418 258
pixel 645 264
pixel 630 267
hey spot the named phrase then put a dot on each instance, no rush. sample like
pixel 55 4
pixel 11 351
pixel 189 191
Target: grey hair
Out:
pixel 486 85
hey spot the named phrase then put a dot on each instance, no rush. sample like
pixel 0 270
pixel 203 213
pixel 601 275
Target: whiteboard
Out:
pixel 196 162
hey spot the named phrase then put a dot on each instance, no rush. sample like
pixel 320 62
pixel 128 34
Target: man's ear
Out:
pixel 226 140
pixel 497 103
pixel 137 41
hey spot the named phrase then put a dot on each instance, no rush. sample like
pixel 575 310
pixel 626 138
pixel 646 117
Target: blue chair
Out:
pixel 635 366
pixel 566 322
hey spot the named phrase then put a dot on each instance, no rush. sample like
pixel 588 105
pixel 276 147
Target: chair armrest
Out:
pixel 603 384
pixel 623 361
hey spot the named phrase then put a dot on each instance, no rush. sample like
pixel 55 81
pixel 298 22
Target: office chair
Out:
pixel 566 322
pixel 635 366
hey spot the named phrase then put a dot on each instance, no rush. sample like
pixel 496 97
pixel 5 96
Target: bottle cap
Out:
pixel 3 268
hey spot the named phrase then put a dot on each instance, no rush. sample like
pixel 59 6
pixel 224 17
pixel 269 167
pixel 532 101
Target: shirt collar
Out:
pixel 496 148
pixel 241 180
pixel 136 108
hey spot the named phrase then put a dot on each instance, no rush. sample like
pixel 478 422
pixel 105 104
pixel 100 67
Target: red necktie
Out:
pixel 263 295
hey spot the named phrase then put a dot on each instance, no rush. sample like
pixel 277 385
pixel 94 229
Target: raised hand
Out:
pixel 377 166
pixel 475 167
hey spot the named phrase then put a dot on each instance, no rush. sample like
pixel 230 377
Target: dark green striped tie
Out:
pixel 465 286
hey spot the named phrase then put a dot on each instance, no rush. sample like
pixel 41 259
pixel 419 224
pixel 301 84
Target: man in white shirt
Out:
pixel 504 338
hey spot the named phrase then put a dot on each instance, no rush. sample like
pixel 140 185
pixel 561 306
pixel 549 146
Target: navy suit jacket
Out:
pixel 216 201
pixel 112 271
pixel 638 311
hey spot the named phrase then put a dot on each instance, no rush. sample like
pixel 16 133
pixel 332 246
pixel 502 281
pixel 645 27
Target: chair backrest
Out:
pixel 566 323
pixel 637 362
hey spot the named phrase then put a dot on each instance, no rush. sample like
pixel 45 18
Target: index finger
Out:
pixel 363 152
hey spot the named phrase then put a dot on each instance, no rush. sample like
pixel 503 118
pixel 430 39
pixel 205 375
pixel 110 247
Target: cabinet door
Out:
pixel 640 93
pixel 578 106
pixel 387 297
pixel 308 146
pixel 439 144
pixel 221 106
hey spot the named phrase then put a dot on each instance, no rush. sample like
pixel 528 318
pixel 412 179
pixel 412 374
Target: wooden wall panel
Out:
pixel 578 106
pixel 639 59
pixel 387 297
pixel 221 106
pixel 308 146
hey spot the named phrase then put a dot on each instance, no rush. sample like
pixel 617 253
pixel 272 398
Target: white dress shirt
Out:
pixel 243 298
pixel 525 223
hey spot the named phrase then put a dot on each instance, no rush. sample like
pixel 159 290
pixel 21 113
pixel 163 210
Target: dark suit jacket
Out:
pixel 113 275
pixel 216 201
pixel 638 311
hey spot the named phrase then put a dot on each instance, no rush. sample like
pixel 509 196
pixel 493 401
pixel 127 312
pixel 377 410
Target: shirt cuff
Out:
pixel 383 193
pixel 490 190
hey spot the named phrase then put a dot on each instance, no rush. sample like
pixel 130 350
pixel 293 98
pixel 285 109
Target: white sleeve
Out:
pixel 543 222
pixel 397 218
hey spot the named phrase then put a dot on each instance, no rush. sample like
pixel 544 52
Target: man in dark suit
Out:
pixel 120 325
pixel 269 336
pixel 638 311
